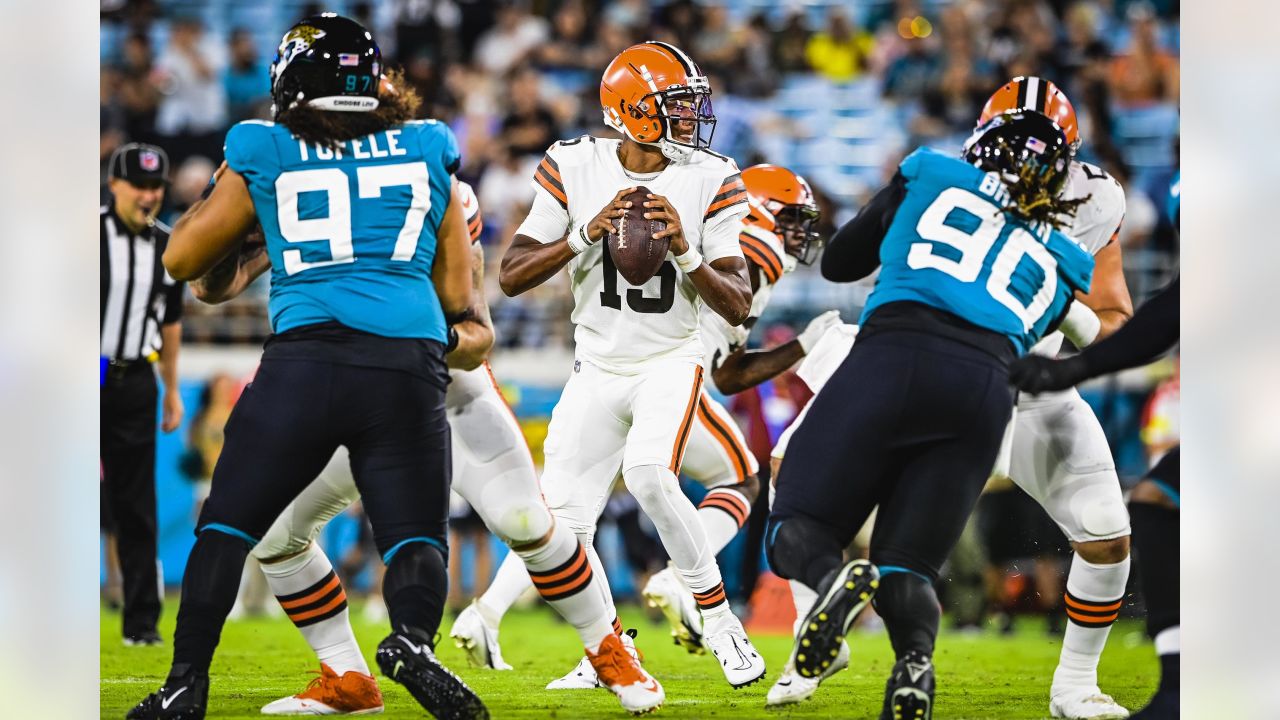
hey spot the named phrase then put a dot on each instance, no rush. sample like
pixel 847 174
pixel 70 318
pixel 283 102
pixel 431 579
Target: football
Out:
pixel 634 251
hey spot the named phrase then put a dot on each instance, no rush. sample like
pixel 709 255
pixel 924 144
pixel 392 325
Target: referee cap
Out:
pixel 139 163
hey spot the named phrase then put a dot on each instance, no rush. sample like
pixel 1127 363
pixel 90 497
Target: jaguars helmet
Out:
pixel 1022 144
pixel 327 62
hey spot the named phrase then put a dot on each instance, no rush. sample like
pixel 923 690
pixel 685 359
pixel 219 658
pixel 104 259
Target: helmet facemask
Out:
pixel 687 118
pixel 794 226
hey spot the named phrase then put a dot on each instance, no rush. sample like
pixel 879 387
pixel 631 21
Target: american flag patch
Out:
pixel 348 59
pixel 1036 145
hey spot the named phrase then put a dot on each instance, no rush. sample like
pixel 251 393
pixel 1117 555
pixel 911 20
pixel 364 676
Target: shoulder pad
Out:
pixel 763 249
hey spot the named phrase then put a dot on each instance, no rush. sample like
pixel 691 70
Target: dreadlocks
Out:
pixel 1036 201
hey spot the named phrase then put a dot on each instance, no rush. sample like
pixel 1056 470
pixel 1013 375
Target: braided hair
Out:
pixel 1031 156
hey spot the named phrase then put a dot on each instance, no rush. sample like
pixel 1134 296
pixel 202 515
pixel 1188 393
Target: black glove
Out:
pixel 1037 373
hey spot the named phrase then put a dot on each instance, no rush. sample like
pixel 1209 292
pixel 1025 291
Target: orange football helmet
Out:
pixel 656 95
pixel 1040 95
pixel 782 203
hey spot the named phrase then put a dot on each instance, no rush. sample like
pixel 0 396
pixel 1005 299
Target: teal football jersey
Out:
pixel 351 232
pixel 951 247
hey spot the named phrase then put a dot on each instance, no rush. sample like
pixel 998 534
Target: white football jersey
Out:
pixel 765 251
pixel 1095 224
pixel 470 211
pixel 621 326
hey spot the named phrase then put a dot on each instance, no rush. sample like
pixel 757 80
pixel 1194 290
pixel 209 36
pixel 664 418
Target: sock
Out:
pixel 909 607
pixel 657 491
pixel 511 581
pixel 1156 542
pixel 312 596
pixel 414 589
pixel 562 573
pixel 1169 648
pixel 209 588
pixel 602 585
pixel 1093 599
pixel 804 598
pixel 617 626
pixel 723 512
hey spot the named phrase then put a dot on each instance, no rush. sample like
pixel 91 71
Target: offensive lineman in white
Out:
pixel 493 470
pixel 776 235
pixel 1059 453
pixel 630 404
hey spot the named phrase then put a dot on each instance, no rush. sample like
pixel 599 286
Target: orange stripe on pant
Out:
pixel 690 410
pixel 726 441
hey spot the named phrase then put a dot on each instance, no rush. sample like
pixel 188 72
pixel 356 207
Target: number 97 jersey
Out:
pixel 951 246
pixel 350 230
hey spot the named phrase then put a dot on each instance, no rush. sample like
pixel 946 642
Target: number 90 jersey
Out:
pixel 951 247
pixel 351 231
pixel 620 327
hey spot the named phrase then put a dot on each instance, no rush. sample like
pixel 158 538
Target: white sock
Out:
pixel 723 512
pixel 313 597
pixel 565 578
pixel 1094 596
pixel 657 491
pixel 510 582
pixel 1169 641
pixel 804 598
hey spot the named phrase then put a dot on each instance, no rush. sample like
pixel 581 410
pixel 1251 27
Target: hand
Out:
pixel 662 210
pixel 172 413
pixel 816 328
pixel 1036 373
pixel 602 223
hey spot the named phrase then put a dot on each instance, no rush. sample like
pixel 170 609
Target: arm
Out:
pixel 475 334
pixel 233 274
pixel 212 228
pixel 529 261
pixel 723 282
pixel 854 251
pixel 451 273
pixel 744 369
pixel 1152 331
pixel 1108 296
pixel 170 342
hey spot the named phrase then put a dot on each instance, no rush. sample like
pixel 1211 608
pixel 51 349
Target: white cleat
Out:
pixel 582 677
pixel 474 637
pixel 1085 704
pixel 792 688
pixel 665 592
pixel 737 657
pixel 619 670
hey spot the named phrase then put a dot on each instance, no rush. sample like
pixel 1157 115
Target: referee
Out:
pixel 140 312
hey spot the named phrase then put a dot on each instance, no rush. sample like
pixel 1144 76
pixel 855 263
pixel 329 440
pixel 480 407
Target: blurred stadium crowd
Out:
pixel 839 92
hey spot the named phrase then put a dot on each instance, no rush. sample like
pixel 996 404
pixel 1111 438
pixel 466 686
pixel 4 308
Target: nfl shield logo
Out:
pixel 149 160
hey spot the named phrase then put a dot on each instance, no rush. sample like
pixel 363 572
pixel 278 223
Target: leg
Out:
pixel 1154 506
pixel 128 465
pixel 717 457
pixel 1062 459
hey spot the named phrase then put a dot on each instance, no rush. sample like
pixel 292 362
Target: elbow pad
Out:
pixel 1081 325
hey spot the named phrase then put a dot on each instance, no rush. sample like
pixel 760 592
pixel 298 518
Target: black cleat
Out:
pixel 181 698
pixel 818 643
pixel 146 638
pixel 909 693
pixel 409 660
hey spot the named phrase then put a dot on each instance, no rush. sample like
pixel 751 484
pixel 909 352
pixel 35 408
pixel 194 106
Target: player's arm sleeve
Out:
pixel 548 219
pixel 1151 332
pixel 854 251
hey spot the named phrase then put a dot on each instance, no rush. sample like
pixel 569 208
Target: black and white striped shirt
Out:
pixel 138 296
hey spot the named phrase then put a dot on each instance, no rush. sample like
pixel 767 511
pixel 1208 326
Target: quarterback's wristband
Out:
pixel 689 261
pixel 578 240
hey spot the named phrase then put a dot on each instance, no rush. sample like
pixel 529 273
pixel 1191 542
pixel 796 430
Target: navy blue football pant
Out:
pixel 910 422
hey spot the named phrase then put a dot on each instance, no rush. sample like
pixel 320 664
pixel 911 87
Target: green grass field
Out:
pixel 979 676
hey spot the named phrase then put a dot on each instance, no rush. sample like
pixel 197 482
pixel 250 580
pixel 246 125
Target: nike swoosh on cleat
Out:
pixel 417 649
pixel 166 702
pixel 395 672
pixel 745 663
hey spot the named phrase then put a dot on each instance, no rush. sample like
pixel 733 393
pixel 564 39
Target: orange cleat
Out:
pixel 352 693
pixel 620 671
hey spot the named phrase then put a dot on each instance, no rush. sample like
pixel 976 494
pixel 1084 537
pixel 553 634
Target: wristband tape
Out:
pixel 689 261
pixel 578 240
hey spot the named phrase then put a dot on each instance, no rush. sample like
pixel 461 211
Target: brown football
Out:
pixel 634 251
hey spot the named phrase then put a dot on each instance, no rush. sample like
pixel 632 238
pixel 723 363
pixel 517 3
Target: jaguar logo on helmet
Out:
pixel 149 160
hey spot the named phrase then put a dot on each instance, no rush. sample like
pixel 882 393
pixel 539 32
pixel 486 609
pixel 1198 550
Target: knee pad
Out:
pixel 517 517
pixel 1099 507
pixel 793 544
pixel 649 484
